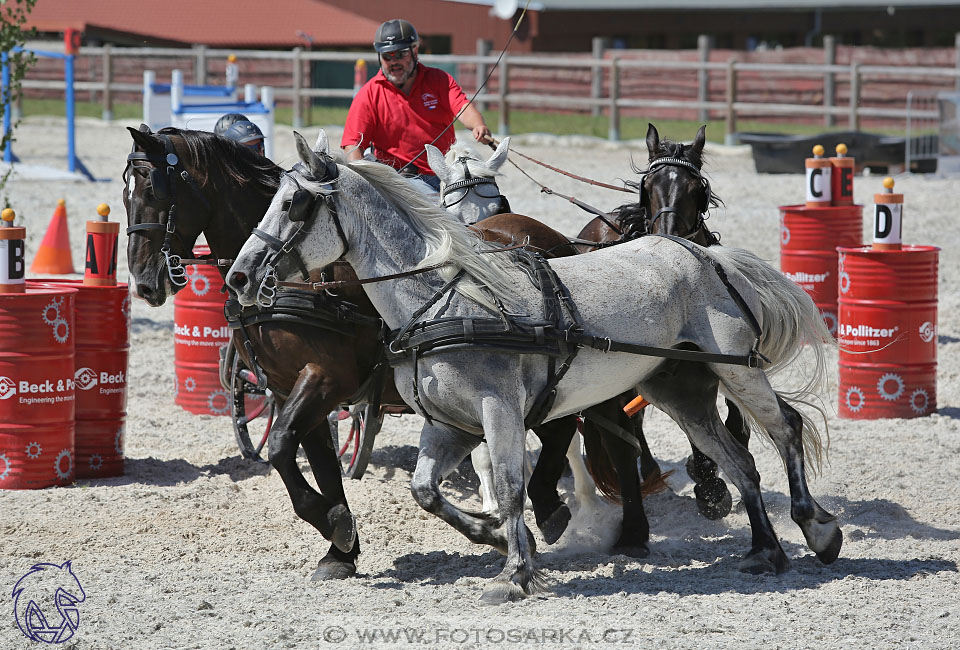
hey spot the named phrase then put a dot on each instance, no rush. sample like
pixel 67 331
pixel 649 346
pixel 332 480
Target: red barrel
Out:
pixel 809 238
pixel 887 332
pixel 37 402
pixel 103 345
pixel 200 330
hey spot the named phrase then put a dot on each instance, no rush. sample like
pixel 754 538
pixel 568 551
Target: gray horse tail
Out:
pixel 789 320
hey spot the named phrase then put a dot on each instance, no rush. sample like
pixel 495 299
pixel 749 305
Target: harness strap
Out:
pixel 612 427
pixel 281 246
pixel 751 360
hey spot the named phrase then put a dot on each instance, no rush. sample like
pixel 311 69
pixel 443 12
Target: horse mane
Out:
pixel 447 239
pixel 476 166
pixel 241 164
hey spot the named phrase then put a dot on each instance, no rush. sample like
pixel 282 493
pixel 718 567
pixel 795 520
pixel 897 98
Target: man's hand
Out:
pixel 482 133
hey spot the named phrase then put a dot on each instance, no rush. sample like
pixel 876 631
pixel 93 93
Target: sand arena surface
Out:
pixel 194 548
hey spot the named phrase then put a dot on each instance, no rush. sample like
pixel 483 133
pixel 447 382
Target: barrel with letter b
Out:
pixel 37 337
pixel 888 322
pixel 200 330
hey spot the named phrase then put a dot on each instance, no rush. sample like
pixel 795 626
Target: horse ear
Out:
pixel 318 169
pixel 653 141
pixel 700 140
pixel 499 156
pixel 144 140
pixel 437 163
pixel 323 143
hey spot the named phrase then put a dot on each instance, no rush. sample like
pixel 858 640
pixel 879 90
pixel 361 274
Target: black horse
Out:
pixel 674 198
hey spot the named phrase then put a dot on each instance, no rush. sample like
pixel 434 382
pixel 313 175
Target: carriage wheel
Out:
pixel 364 424
pixel 252 411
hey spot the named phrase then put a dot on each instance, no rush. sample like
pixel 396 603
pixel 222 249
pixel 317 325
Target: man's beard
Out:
pixel 402 78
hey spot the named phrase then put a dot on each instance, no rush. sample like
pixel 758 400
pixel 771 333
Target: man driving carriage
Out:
pixel 405 106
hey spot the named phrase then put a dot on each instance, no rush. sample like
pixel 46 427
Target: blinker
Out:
pixel 299 207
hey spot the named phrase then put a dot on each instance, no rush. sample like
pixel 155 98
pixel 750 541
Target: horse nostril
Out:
pixel 238 280
pixel 145 291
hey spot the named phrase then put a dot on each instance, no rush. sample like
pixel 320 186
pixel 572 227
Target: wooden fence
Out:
pixel 693 84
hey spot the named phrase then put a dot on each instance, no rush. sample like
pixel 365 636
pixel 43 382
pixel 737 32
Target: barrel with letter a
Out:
pixel 200 330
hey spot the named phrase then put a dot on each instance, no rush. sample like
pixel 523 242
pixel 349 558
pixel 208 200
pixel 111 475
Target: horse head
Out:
pixel 468 186
pixel 674 195
pixel 292 234
pixel 180 183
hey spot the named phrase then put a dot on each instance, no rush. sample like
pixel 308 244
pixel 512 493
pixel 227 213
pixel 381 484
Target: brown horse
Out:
pixel 675 204
pixel 182 183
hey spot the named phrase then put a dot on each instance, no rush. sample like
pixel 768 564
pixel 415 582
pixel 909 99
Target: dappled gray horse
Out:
pixel 365 214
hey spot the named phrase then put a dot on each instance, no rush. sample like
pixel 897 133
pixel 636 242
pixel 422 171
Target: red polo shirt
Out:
pixel 398 125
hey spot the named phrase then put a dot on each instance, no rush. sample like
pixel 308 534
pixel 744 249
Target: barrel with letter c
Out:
pixel 888 332
pixel 37 400
pixel 200 330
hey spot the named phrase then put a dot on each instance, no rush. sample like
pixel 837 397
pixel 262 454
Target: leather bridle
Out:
pixel 469 183
pixel 663 163
pixel 165 169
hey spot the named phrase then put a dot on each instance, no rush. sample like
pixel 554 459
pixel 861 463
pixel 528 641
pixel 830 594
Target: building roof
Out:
pixel 247 23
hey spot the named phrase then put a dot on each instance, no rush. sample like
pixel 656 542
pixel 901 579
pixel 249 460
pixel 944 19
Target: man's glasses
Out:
pixel 395 56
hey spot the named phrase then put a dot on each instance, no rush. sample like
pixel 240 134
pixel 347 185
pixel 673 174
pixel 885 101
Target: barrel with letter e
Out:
pixel 200 330
pixel 811 232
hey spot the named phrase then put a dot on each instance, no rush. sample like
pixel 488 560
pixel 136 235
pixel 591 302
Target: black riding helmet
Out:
pixel 246 133
pixel 393 35
pixel 227 121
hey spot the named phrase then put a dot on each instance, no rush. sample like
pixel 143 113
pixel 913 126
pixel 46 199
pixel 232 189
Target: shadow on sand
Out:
pixel 165 473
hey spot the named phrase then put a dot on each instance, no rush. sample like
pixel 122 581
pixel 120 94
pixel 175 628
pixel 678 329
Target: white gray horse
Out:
pixel 365 214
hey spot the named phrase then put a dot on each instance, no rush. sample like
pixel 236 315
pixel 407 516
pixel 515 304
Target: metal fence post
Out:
pixel 297 84
pixel 614 132
pixel 829 80
pixel 200 67
pixel 596 73
pixel 728 137
pixel 854 96
pixel 107 80
pixel 504 127
pixel 704 43
pixel 483 49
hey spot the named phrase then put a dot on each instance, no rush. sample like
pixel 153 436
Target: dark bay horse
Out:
pixel 674 197
pixel 221 189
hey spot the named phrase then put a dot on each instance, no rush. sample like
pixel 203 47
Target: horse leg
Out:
pixel 506 433
pixel 318 445
pixel 295 422
pixel 786 428
pixel 635 528
pixel 694 410
pixel 441 449
pixel 736 424
pixel 551 513
pixel 480 458
pixel 649 468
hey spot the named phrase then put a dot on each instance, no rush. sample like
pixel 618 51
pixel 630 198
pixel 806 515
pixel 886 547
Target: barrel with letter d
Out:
pixel 888 332
pixel 200 330
pixel 36 387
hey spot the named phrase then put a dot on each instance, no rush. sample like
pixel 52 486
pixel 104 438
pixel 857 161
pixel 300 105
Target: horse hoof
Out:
pixel 555 524
pixel 693 471
pixel 832 551
pixel 638 551
pixel 344 528
pixel 330 569
pixel 713 498
pixel 759 563
pixel 497 593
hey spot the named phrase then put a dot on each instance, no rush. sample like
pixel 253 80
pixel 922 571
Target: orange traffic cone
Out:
pixel 53 256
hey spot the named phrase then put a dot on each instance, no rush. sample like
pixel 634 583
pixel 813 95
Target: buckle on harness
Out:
pixel 756 360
